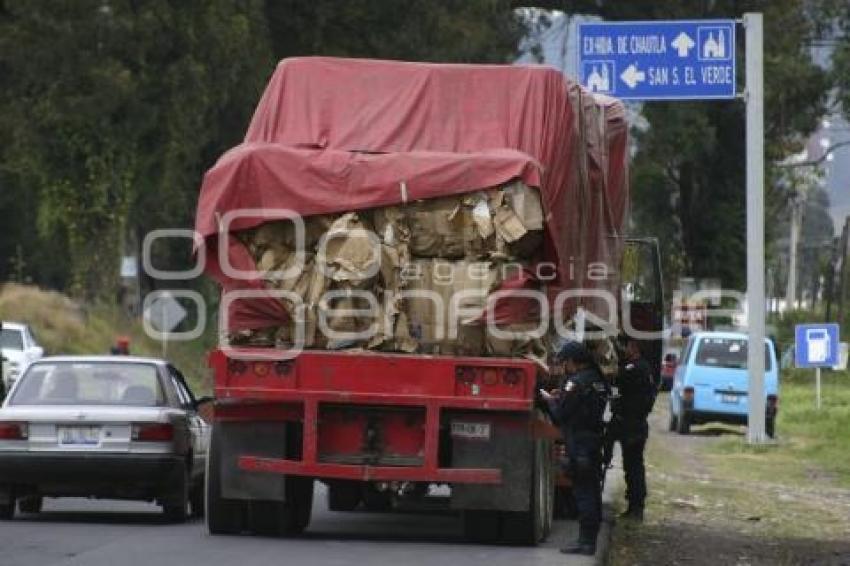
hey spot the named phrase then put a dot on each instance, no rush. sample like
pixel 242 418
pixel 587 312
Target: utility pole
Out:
pixel 794 236
pixel 754 96
pixel 844 254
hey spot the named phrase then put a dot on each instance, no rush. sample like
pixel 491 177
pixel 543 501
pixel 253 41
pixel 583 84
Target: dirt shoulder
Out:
pixel 714 500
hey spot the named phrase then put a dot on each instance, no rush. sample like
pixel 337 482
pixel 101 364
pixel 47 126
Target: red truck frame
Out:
pixel 374 426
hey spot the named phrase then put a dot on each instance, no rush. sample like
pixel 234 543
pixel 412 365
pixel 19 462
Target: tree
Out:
pixel 114 110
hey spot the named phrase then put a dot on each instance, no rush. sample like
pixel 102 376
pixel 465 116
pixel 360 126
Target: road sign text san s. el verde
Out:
pixel 659 60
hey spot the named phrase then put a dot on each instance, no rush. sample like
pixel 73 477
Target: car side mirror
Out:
pixel 37 352
pixel 204 407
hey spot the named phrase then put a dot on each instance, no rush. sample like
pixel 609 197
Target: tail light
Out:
pixel 688 394
pixel 152 432
pixel 261 369
pixel 772 402
pixel 488 376
pixel 14 431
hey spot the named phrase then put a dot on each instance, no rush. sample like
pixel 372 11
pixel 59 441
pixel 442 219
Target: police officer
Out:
pixel 578 407
pixel 633 401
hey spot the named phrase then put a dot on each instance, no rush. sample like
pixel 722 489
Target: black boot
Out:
pixel 586 543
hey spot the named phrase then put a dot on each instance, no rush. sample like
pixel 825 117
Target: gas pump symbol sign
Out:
pixel 816 345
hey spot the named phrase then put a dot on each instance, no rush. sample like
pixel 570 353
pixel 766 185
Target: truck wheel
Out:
pixel 549 515
pixel 267 518
pixel 224 516
pixel 482 527
pixel 196 500
pixel 343 495
pixel 299 504
pixel 527 527
pixel 176 503
pixel 374 500
pixel 683 426
pixel 30 504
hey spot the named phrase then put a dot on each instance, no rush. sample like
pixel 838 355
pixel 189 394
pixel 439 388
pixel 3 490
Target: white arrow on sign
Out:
pixel 632 77
pixel 683 43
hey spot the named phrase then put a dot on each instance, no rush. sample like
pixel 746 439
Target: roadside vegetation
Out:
pixel 714 499
pixel 63 326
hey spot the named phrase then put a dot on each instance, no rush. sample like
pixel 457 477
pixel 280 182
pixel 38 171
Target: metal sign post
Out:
pixel 754 97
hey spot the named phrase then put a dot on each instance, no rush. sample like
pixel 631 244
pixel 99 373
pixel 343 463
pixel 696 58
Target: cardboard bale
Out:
pixel 440 325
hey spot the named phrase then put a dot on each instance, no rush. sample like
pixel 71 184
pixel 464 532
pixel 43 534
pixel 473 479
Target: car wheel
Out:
pixel 176 503
pixel 7 510
pixel 683 425
pixel 770 426
pixel 224 516
pixel 30 504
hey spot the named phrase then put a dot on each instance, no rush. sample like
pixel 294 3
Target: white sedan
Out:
pixel 19 349
pixel 112 427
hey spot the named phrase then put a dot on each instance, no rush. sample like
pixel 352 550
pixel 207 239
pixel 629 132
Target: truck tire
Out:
pixel 344 496
pixel 374 500
pixel 528 527
pixel 176 503
pixel 549 515
pixel 31 504
pixel 267 518
pixel 223 516
pixel 482 527
pixel 196 500
pixel 299 504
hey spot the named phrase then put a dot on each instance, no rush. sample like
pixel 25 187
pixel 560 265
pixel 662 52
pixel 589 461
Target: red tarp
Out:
pixel 443 129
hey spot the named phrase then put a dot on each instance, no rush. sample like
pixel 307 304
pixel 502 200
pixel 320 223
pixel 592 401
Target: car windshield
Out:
pixel 90 383
pixel 11 339
pixel 727 353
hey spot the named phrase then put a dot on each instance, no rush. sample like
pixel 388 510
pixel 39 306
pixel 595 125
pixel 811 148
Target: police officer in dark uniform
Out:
pixel 578 407
pixel 633 400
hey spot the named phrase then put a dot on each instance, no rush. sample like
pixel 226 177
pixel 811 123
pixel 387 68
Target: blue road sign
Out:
pixel 693 59
pixel 816 345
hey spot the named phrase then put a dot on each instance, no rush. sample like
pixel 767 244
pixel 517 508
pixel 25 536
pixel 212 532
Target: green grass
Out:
pixel 65 327
pixel 811 442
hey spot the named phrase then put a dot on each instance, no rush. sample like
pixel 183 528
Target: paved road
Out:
pixel 79 532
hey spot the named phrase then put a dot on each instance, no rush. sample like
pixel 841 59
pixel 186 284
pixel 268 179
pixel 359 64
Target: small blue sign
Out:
pixel 663 60
pixel 816 345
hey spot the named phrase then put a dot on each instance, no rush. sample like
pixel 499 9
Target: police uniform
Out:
pixel 635 397
pixel 579 412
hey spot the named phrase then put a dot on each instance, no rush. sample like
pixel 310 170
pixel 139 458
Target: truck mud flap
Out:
pixel 265 439
pixel 509 448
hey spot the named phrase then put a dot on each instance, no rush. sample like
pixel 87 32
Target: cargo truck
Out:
pixel 388 424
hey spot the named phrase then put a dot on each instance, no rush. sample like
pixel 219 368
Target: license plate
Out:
pixel 478 431
pixel 726 398
pixel 79 435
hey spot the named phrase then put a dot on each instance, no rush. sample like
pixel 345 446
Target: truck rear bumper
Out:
pixel 370 473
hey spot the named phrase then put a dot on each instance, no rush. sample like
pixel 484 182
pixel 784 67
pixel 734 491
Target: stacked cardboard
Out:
pixel 417 276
